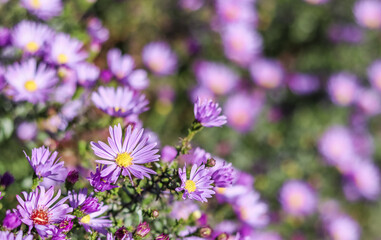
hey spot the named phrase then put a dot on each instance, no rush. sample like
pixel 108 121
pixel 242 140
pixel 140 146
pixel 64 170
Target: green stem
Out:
pixel 185 142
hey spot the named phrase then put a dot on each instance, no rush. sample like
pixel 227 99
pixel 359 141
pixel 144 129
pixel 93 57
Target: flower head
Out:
pixel 99 183
pixel 5 235
pixel 223 174
pixel 31 37
pixel 11 220
pixel 267 73
pixel 44 9
pixel 342 88
pixel 198 186
pixel 29 82
pixel 159 58
pixel 343 228
pixel 143 229
pixel 251 210
pixel 120 65
pixel 87 74
pixel 368 13
pixel 40 209
pixel 65 50
pixel 208 113
pixel 302 84
pixel 126 157
pixel 119 102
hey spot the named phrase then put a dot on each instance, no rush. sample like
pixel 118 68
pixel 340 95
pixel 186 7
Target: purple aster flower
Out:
pixel 40 209
pixel 44 9
pixel 120 65
pixel 168 153
pixel 46 165
pixel 119 102
pixel 241 43
pixel 196 156
pixel 266 236
pixel 5 36
pixel 369 102
pixel 343 228
pixel 217 77
pixel 198 186
pixel 231 11
pixel 267 73
pixel 72 177
pixel 251 210
pixel 65 50
pixel 183 209
pixel 143 229
pixel 317 2
pixel 302 84
pixel 368 13
pixel 98 33
pixel 159 58
pixel 128 156
pixel 123 234
pixel 374 74
pixel 99 183
pixel 191 5
pixel 2 79
pixel 11 220
pixel 5 235
pixel 29 82
pixel 242 109
pixel 138 79
pixel 27 131
pixel 223 174
pixel 298 198
pixel 6 180
pixel 92 210
pixel 66 225
pixel 31 37
pixel 208 113
pixel 336 146
pixel 342 88
pixel 87 74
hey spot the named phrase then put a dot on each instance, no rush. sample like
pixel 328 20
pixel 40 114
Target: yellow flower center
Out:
pixel 221 190
pixel 124 160
pixel 62 58
pixel 35 4
pixel 296 200
pixel 117 109
pixel 30 85
pixel 190 186
pixel 86 219
pixel 32 47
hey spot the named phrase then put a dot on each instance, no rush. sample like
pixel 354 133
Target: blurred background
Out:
pixel 298 80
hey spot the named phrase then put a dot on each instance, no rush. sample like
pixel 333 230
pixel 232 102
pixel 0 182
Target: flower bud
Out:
pixel 121 233
pixel 66 225
pixel 72 177
pixel 143 229
pixel 11 221
pixel 90 205
pixel 204 232
pixel 155 213
pixel 6 180
pixel 162 237
pixel 211 162
pixel 222 236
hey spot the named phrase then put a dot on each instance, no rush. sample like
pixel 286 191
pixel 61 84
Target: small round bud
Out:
pixel 211 162
pixel 204 232
pixel 155 213
pixel 6 180
pixel 223 236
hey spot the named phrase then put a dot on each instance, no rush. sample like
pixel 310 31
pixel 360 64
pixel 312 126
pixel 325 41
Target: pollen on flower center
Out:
pixel 35 4
pixel 30 85
pixel 86 219
pixel 32 47
pixel 124 160
pixel 62 58
pixel 190 186
pixel 40 217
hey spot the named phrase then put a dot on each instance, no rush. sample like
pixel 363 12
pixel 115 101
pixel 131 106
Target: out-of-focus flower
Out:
pixel 198 186
pixel 92 210
pixel 15 236
pixel 99 183
pixel 343 228
pixel 297 198
pixel 374 74
pixel 6 180
pixel 40 209
pixel 66 50
pixel 303 83
pixel 251 210
pixel 168 153
pixel 27 131
pixel 29 82
pixel 46 165
pixel 87 74
pixel 126 157
pixel 369 102
pixel 316 2
pixel 207 113
pixel 223 174
pixel 241 43
pixel 346 33
pixel 120 65
pixel 217 77
pixel 368 13
pixel 342 88
pixel 200 92
pixel 336 146
pixel 5 36
pixel 231 11
pixel 119 102
pixel 267 73
pixel 191 5
pixel 266 236
pixel 123 233
pixel 31 37
pixel 159 58
pixel 96 30
pixel 11 220
pixel 72 176
pixel 183 209
pixel 241 109
pixel 138 79
pixel 44 9
pixel 196 156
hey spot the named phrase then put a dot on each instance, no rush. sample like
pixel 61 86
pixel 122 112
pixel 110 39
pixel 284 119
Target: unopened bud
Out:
pixel 211 162
pixel 162 237
pixel 6 180
pixel 222 236
pixel 143 229
pixel 155 213
pixel 121 233
pixel 204 232
pixel 72 177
